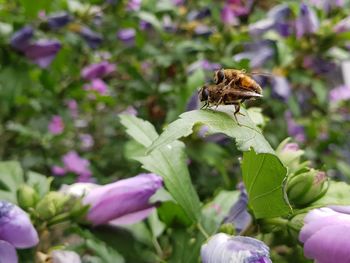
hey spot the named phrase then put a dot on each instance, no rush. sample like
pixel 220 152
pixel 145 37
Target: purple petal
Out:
pixel 228 17
pixel 123 197
pixel 281 87
pixel 59 20
pixel 75 164
pixel 7 253
pixel 193 102
pixel 57 170
pixel 330 244
pixel 132 218
pixel 307 22
pixel 224 248
pixel 134 5
pixel 15 226
pixel 20 39
pixel 127 35
pixel 340 93
pixel 56 125
pixel 98 70
pixel 43 52
pixel 92 38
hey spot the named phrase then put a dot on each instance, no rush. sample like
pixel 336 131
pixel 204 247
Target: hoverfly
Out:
pixel 232 87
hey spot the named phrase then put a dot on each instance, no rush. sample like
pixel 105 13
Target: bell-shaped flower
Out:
pixel 307 21
pixel 123 202
pixel 92 38
pixel 224 248
pixel 42 52
pixel 16 231
pixel 58 20
pixel 325 235
pixel 20 39
pixel 97 70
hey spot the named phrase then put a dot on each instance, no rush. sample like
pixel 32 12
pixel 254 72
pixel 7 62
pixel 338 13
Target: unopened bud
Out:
pixel 306 187
pixel 52 204
pixel 27 197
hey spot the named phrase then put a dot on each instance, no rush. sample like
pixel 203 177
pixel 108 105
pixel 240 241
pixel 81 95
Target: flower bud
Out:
pixel 306 187
pixel 289 154
pixel 52 204
pixel 27 196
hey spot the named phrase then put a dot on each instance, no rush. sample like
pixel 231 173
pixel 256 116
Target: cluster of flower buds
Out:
pixel 305 185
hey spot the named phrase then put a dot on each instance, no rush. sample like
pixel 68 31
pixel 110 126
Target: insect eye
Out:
pixel 219 76
pixel 203 94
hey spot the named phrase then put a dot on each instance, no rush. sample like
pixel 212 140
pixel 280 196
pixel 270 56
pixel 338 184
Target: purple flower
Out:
pixel 20 39
pixel 127 35
pixel 178 2
pixel 193 102
pixel 57 170
pixel 198 14
pixel 203 30
pixel 202 64
pixel 74 163
pixel 16 231
pixel 295 130
pixel 42 52
pixel 58 20
pixel 73 108
pixel 340 93
pixel 307 22
pixel 168 24
pixel 318 64
pixel 281 87
pixel 92 38
pixel 123 202
pixel 342 26
pixel 144 25
pixel 134 5
pixel 56 125
pixel 86 141
pixel 224 248
pixel 97 85
pixel 290 147
pixel 99 70
pixel 238 215
pixel 325 235
pixel 257 52
pixel 228 17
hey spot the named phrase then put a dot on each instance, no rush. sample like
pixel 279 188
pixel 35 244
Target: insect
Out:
pixel 232 87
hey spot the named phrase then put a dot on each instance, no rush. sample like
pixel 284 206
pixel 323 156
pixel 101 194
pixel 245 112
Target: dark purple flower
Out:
pixel 92 38
pixel 238 215
pixel 127 35
pixel 42 52
pixel 281 87
pixel 295 130
pixel 257 52
pixel 144 25
pixel 59 20
pixel 20 39
pixel 123 202
pixel 342 26
pixel 318 64
pixel 325 235
pixel 56 125
pixel 98 70
pixel 224 248
pixel 340 93
pixel 193 102
pixel 307 21
pixel 198 14
pixel 134 5
pixel 16 231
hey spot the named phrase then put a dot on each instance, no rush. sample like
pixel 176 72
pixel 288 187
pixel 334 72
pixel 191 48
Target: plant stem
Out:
pixel 202 230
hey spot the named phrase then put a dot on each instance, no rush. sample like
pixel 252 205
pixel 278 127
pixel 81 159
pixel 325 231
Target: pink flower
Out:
pixel 57 170
pixel 73 108
pixel 75 164
pixel 86 141
pixel 97 85
pixel 326 235
pixel 56 125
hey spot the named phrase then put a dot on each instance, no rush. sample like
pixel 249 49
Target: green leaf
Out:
pixel 11 177
pixel 215 211
pixel 337 194
pixel 107 254
pixel 150 18
pixel 39 182
pixel 172 214
pixel 264 177
pixel 170 163
pixel 141 131
pixel 246 134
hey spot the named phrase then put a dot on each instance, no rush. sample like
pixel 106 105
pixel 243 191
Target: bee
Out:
pixel 232 87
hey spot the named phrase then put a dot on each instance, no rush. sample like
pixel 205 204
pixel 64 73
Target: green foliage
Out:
pixel 264 177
